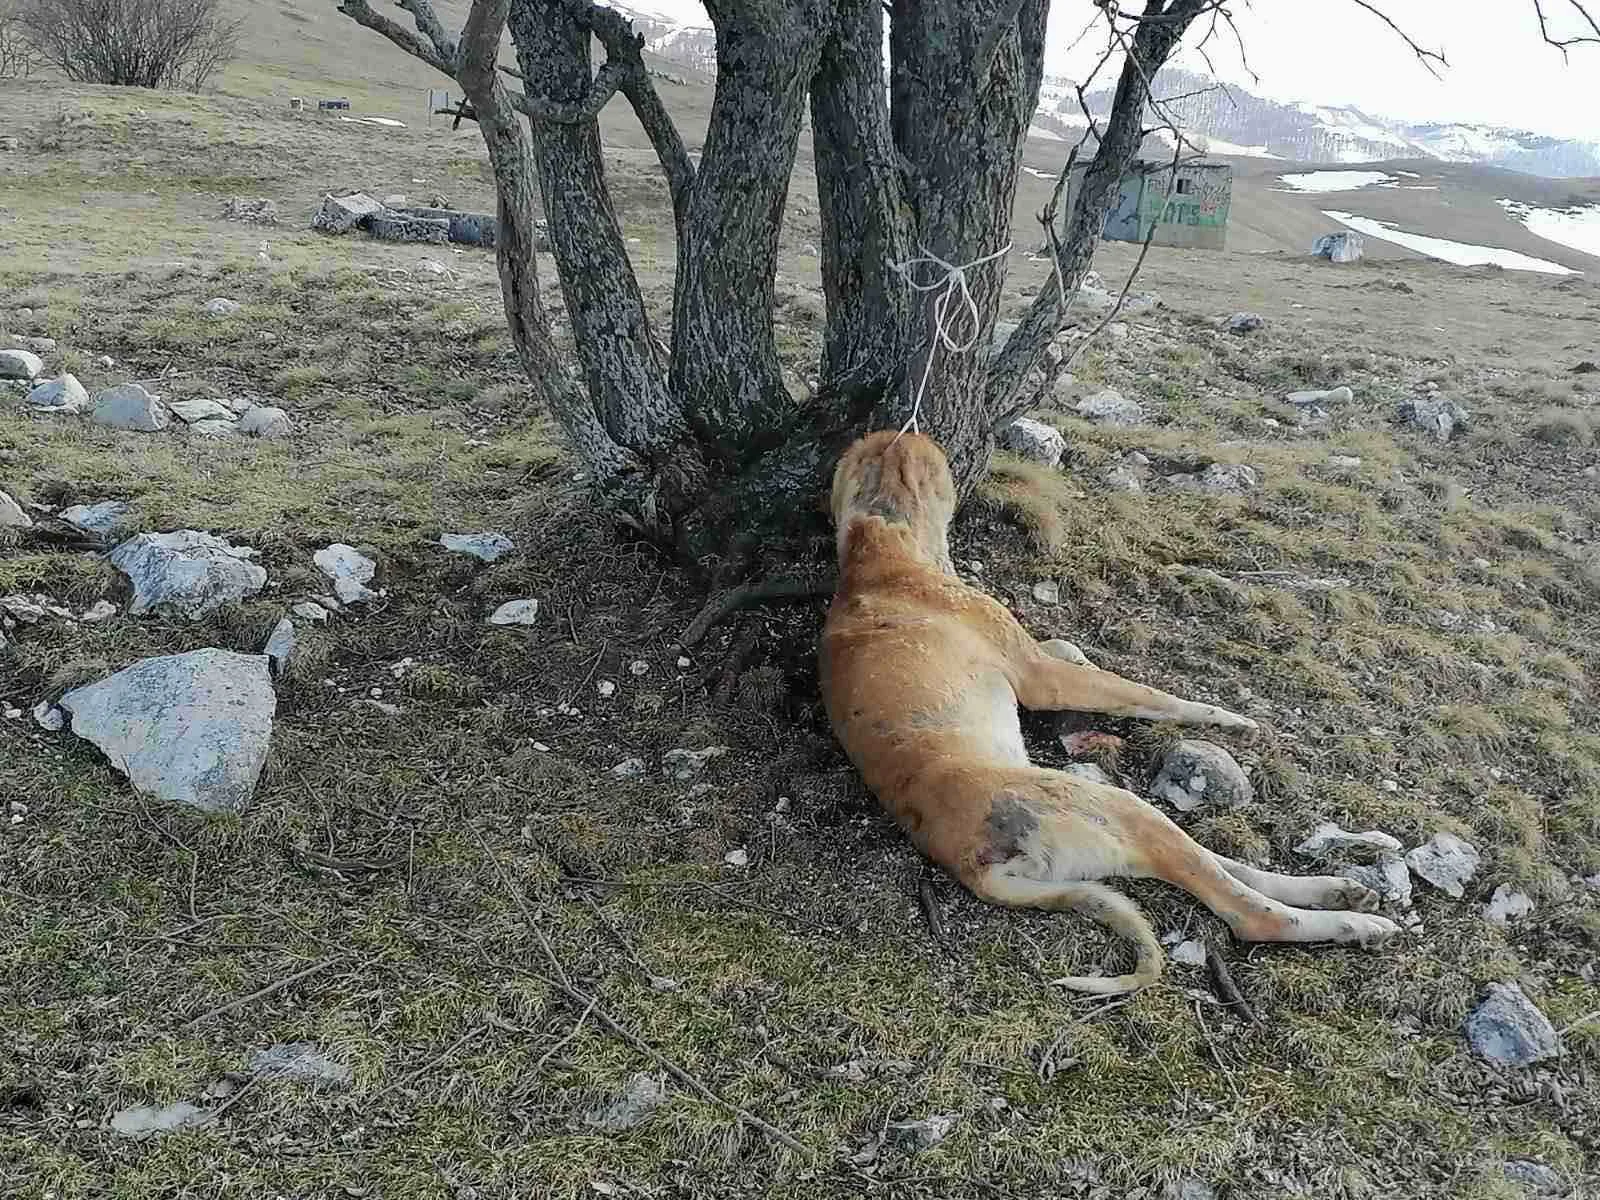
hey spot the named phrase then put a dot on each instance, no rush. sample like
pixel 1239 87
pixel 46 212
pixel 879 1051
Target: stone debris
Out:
pixel 1389 878
pixel 629 768
pixel 1338 395
pixel 302 1062
pixel 11 513
pixel 1445 861
pixel 186 570
pixel 260 211
pixel 1110 407
pixel 192 412
pixel 100 610
pixel 309 610
pixel 1434 415
pixel 1189 953
pixel 102 518
pixel 130 406
pixel 20 364
pixel 220 307
pixel 684 765
pixel 1508 1030
pixel 516 612
pixel 280 647
pixel 916 1136
pixel 1246 322
pixel 265 421
pixel 1534 1177
pixel 63 394
pixel 640 1096
pixel 142 1120
pixel 1219 479
pixel 49 717
pixel 341 214
pixel 1047 591
pixel 487 546
pixel 1034 441
pixel 1507 905
pixel 348 570
pixel 1089 773
pixel 1196 773
pixel 190 728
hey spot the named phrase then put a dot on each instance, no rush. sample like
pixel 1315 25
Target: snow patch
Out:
pixel 1577 228
pixel 1334 181
pixel 1463 254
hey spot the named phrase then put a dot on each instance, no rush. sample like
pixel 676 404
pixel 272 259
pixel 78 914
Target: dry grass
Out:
pixel 124 919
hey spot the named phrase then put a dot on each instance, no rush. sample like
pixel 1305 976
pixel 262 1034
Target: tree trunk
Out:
pixel 707 453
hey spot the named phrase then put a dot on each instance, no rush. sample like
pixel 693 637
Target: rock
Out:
pixel 300 1061
pixel 629 768
pixel 1533 1177
pixel 145 1119
pixel 1328 841
pixel 515 612
pixel 129 406
pixel 916 1136
pixel 1445 861
pixel 1034 441
pixel 1344 462
pixel 1585 367
pixel 1047 591
pixel 39 345
pixel 1089 773
pixel 640 1097
pixel 349 570
pixel 11 513
pixel 487 546
pixel 1246 322
pixel 389 226
pixel 1124 478
pixel 266 421
pixel 49 717
pixel 1219 479
pixel 220 307
pixel 192 412
pixel 1191 1188
pixel 1110 407
pixel 1389 878
pixel 684 765
pixel 20 364
pixel 60 395
pixel 102 517
pixel 1508 1029
pixel 1506 906
pixel 1342 247
pixel 343 213
pixel 1338 395
pixel 1434 415
pixel 100 610
pixel 189 571
pixel 1190 953
pixel 280 647
pixel 737 857
pixel 308 610
pixel 1117 331
pixel 260 211
pixel 1196 772
pixel 191 728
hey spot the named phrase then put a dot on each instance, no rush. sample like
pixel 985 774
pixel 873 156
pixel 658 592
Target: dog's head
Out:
pixel 903 478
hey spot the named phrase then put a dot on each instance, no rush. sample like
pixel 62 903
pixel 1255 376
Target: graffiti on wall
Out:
pixel 1197 196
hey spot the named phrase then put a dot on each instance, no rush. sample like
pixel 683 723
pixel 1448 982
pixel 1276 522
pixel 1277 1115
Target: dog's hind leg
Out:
pixel 1303 891
pixel 1042 680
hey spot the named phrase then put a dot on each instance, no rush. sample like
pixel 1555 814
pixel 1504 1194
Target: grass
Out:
pixel 125 920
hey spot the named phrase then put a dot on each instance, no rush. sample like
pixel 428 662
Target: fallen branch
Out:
pixel 1222 980
pixel 259 993
pixel 786 590
pixel 930 910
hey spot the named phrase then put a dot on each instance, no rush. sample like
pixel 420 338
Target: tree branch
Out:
pixel 1561 43
pixel 429 25
pixel 607 81
pixel 1426 57
pixel 412 43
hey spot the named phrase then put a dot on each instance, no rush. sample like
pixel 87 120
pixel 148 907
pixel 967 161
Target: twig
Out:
pixel 429 1065
pixel 577 1028
pixel 259 993
pixel 1560 43
pixel 748 595
pixel 1426 57
pixel 216 1113
pixel 559 980
pixel 930 910
pixel 1227 1071
pixel 1583 1020
pixel 1222 980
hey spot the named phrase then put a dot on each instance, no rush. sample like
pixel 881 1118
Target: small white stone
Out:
pixel 606 688
pixel 683 662
pixel 1190 953
pixel 1047 591
pixel 309 611
pixel 639 667
pixel 516 612
pixel 629 768
pixel 1391 785
pixel 50 718
pixel 737 858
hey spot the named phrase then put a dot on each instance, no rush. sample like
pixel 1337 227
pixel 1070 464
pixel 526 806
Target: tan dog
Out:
pixel 922 676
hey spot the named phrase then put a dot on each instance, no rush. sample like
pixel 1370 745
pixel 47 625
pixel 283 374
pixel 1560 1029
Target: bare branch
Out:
pixel 430 27
pixel 1561 43
pixel 607 82
pixel 1426 57
pixel 408 40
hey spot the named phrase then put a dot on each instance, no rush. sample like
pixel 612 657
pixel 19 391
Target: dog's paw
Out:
pixel 1366 930
pixel 1352 896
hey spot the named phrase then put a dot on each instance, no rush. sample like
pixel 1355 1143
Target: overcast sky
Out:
pixel 1333 52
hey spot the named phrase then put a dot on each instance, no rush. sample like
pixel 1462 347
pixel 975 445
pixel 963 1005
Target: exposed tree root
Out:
pixel 784 590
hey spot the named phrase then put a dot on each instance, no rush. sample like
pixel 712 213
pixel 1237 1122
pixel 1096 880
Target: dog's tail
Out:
pixel 1099 903
pixel 1120 915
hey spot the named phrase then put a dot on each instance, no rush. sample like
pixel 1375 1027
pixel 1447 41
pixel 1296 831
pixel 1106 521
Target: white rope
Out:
pixel 950 284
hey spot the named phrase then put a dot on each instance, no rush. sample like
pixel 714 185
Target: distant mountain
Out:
pixel 1232 122
pixel 1238 122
